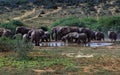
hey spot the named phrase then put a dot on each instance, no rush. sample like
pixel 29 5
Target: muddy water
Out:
pixel 53 44
pixel 59 44
pixel 99 44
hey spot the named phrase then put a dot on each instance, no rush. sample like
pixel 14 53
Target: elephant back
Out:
pixel 37 33
pixel 65 30
pixel 74 29
pixel 7 33
pixel 22 30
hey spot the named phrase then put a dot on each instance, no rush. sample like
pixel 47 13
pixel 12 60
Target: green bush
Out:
pixel 44 28
pixel 109 23
pixel 18 45
pixel 11 25
pixel 89 22
pixel 6 44
pixel 22 48
pixel 104 23
pixel 69 21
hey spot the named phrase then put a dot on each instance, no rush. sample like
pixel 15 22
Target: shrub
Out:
pixel 6 44
pixel 22 48
pixel 89 22
pixel 44 28
pixel 104 23
pixel 69 21
pixel 109 23
pixel 18 45
pixel 11 25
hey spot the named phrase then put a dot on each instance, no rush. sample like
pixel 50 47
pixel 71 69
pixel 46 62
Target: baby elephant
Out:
pixel 7 33
pixel 77 37
pixel 82 38
pixel 46 37
pixel 112 35
pixel 70 37
pixel 99 36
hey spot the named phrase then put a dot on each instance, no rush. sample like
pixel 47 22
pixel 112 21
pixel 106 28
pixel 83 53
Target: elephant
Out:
pixel 70 37
pixel 29 33
pixel 36 35
pixel 93 35
pixel 112 35
pixel 87 31
pixel 82 38
pixel 1 31
pixel 99 36
pixel 25 38
pixel 75 37
pixel 65 38
pixel 65 30
pixel 55 33
pixel 22 30
pixel 46 37
pixel 7 33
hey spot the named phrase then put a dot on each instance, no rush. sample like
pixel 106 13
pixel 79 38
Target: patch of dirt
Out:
pixel 27 13
pixel 7 53
pixel 43 15
pixel 87 69
pixel 43 71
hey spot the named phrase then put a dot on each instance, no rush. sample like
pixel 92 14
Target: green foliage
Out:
pixel 22 48
pixel 11 25
pixel 89 22
pixel 104 23
pixel 69 21
pixel 18 45
pixel 109 23
pixel 6 44
pixel 44 28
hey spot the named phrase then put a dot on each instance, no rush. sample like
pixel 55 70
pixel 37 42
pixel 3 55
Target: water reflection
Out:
pixel 53 44
pixel 59 44
pixel 100 44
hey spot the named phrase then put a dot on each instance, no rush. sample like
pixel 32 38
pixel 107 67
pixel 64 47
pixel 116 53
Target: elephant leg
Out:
pixel 75 40
pixel 56 38
pixel 32 40
pixel 36 43
pixel 78 41
pixel 49 39
pixel 84 41
pixel 103 38
pixel 46 39
pixel 42 40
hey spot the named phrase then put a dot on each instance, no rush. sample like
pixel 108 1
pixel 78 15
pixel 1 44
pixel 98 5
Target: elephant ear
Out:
pixel 41 32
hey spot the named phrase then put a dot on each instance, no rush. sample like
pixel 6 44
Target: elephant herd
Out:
pixel 66 34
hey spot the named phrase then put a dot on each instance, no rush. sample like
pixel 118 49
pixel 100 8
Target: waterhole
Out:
pixel 59 44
